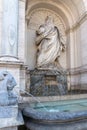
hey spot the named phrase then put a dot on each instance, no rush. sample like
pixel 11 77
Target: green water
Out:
pixel 62 106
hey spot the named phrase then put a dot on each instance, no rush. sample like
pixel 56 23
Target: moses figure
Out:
pixel 49 45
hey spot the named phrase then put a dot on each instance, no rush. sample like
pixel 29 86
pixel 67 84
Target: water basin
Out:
pixel 61 106
pixel 54 114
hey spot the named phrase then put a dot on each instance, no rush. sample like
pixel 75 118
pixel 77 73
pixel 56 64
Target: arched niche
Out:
pixel 37 17
pixel 64 16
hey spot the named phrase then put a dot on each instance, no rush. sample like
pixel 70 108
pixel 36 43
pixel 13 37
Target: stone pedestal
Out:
pixel 8 111
pixel 11 123
pixel 48 82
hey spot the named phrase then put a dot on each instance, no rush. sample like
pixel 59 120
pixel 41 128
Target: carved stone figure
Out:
pixel 7 83
pixel 49 44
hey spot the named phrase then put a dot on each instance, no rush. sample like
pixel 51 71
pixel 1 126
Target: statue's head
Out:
pixel 49 20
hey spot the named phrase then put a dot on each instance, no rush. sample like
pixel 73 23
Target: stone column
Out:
pixel 10 28
pixel 1 9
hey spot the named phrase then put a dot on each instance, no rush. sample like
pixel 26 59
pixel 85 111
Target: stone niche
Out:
pixel 35 19
pixel 48 82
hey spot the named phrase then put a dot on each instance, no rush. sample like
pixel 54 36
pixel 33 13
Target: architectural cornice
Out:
pixel 77 70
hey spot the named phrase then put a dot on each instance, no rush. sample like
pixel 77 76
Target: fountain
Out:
pixel 68 115
pixel 65 115
pixel 34 98
pixel 10 116
pixel 50 79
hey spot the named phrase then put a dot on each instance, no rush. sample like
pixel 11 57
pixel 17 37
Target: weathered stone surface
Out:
pixel 8 111
pixel 10 128
pixel 11 122
pixel 81 125
pixel 38 120
pixel 48 82
pixel 59 117
pixel 7 83
pixel 9 116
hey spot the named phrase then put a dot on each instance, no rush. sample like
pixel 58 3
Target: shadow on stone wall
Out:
pixel 22 127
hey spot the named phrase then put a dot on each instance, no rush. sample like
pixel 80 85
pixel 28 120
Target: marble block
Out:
pixel 11 123
pixel 51 82
pixel 8 111
pixel 11 128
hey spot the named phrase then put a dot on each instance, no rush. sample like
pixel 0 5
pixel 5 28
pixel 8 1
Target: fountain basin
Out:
pixel 65 115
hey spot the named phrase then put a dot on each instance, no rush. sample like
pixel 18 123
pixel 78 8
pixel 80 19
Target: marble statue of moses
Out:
pixel 48 43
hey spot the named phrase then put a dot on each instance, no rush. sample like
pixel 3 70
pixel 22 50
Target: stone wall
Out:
pixel 83 29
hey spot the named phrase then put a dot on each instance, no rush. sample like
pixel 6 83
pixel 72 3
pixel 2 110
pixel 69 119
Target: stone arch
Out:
pixel 63 11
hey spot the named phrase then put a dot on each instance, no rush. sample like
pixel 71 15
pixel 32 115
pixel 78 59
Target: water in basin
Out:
pixel 62 106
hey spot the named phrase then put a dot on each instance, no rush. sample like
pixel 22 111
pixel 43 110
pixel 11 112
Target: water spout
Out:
pixel 34 99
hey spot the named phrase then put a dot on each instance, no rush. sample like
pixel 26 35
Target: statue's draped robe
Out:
pixel 48 44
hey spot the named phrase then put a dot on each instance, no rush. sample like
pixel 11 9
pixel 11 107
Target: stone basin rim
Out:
pixel 55 117
pixel 57 121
